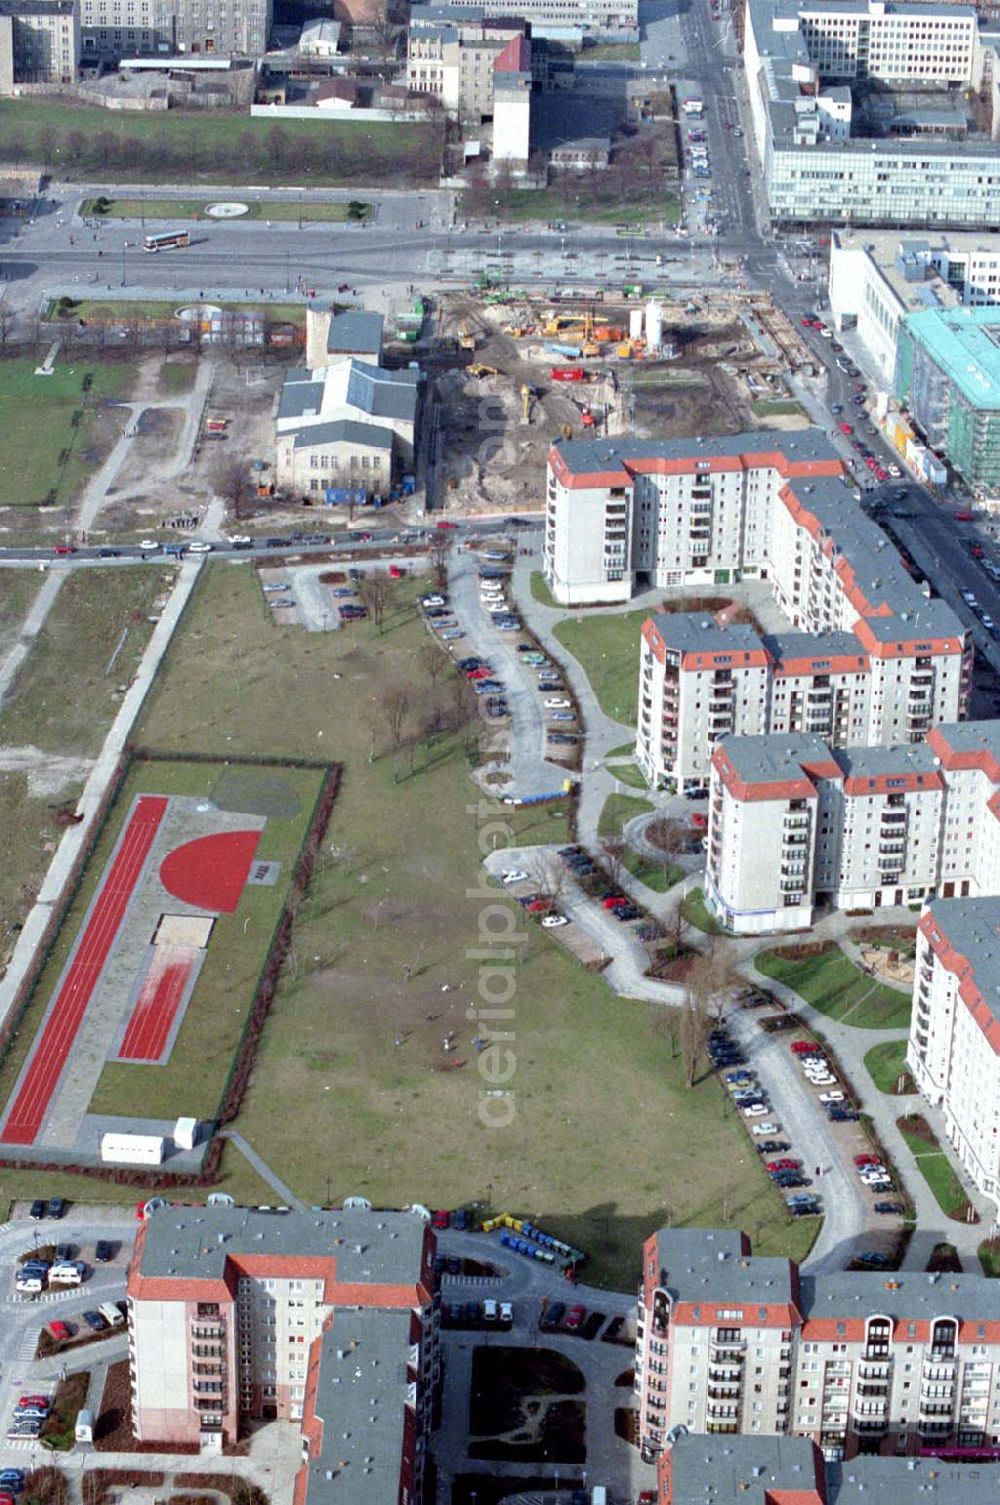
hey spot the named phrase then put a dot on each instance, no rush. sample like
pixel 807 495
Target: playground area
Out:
pixel 156 968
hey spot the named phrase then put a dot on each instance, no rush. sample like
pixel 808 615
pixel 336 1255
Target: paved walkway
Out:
pixel 89 805
pixel 288 1197
pixel 33 624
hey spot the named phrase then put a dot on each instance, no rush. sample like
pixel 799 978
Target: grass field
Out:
pixel 607 649
pixel 303 212
pixel 989 1257
pixel 619 808
pixel 392 918
pixel 540 590
pixel 628 773
pixel 140 310
pixel 176 378
pixel 85 141
pixel 837 988
pixel 18 589
pixel 614 52
pixel 774 407
pixel 886 1063
pixel 64 698
pixel 28 832
pixel 520 205
pixel 39 424
pixel 937 1171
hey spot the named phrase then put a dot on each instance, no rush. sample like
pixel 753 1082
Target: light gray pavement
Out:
pixel 75 837
pixel 33 623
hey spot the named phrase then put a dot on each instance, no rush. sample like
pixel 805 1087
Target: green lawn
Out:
pixel 628 773
pixel 85 141
pixel 139 310
pixel 886 1063
pixel 836 987
pixel 937 1171
pixel 28 835
pixel 989 1257
pixel 656 875
pixel 302 211
pixel 540 590
pixel 616 52
pixel 619 808
pixel 697 913
pixel 393 919
pixel 45 447
pixel 64 696
pixel 177 377
pixel 607 649
pixel 775 407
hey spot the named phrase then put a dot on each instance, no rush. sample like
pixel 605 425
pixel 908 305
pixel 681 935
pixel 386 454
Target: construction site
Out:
pixel 512 375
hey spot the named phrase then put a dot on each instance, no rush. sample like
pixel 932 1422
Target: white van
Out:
pixel 69 1272
pixel 31 1285
pixel 111 1314
pixel 84 1426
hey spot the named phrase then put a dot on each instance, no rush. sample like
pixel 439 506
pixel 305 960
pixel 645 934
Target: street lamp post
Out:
pixel 123 266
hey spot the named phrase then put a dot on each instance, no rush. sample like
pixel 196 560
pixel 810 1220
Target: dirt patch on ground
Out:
pixel 47 773
pixel 153 451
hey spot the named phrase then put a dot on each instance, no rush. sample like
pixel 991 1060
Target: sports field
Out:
pixel 177 851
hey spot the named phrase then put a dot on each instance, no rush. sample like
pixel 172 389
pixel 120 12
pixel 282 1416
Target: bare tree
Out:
pixel 8 319
pixel 231 481
pixel 394 703
pixel 671 837
pixel 613 849
pixel 549 877
pixel 692 1033
pixel 711 980
pixel 434 661
pixel 376 593
pixel 437 551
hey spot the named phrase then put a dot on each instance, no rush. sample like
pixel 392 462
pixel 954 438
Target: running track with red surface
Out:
pixel 148 1029
pixel 53 1046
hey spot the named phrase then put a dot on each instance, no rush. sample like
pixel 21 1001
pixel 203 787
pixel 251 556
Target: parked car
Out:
pixel 37 1210
pixel 575 1316
pixel 441 1218
pixel 766 1130
pixel 95 1321
pixel 831 1097
pixel 514 875
pixel 553 1314
pixel 872 1259
pixel 554 921
pixel 867 1159
pixel 103 1252
pixel 60 1331
pixel 773 1146
pixel 890 1209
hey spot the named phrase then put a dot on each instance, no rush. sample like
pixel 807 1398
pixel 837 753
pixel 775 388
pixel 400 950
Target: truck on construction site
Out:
pixel 568 373
pixel 567 352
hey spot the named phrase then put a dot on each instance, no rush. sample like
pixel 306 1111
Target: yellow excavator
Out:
pixel 466 339
pixel 478 369
pixel 527 393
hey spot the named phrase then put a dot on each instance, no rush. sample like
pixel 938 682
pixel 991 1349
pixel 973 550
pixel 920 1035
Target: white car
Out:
pixel 506 1312
pixel 894 471
pixel 825 334
pixel 553 921
pixel 555 703
pixel 515 875
pixel 766 1131
pixel 831 1097
pixel 199 547
pixel 149 543
pixel 490 1310
pixel 757 1110
pixel 968 598
pixel 496 606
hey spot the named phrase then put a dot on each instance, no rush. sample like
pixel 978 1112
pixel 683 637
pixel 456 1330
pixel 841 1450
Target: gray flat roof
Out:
pixel 355 333
pixel 818 646
pixel 361 1398
pixel 972 926
pixel 877 762
pixel 603 454
pixel 711 1262
pixel 972 736
pixel 741 1470
pixel 689 631
pixel 383 394
pixel 775 757
pixel 344 431
pixel 300 395
pixel 384 1248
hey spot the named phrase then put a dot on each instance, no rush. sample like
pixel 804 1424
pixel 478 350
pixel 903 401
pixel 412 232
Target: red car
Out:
pixel 866 1159
pixel 444 524
pixel 60 1331
pixel 802 1047
pixel 847 428
pixel 699 820
pixel 976 550
pixel 396 572
pixel 615 901
pixel 575 1316
pixel 881 474
pixel 481 673
pixel 34 1402
pixel 806 323
pixel 538 905
pixel 64 548
pixel 441 1218
pixel 365 537
pixel 784 1164
pixel 960 517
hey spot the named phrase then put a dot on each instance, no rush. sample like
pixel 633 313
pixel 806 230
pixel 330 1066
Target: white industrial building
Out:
pixel 795 823
pixel 878 277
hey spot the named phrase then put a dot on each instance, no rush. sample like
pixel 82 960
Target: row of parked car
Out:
pixel 30 1414
pixel 12 1481
pixel 816 1070
pixel 581 866
pixel 741 1083
pixel 555 1316
pixel 32 1275
pixel 476 1314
